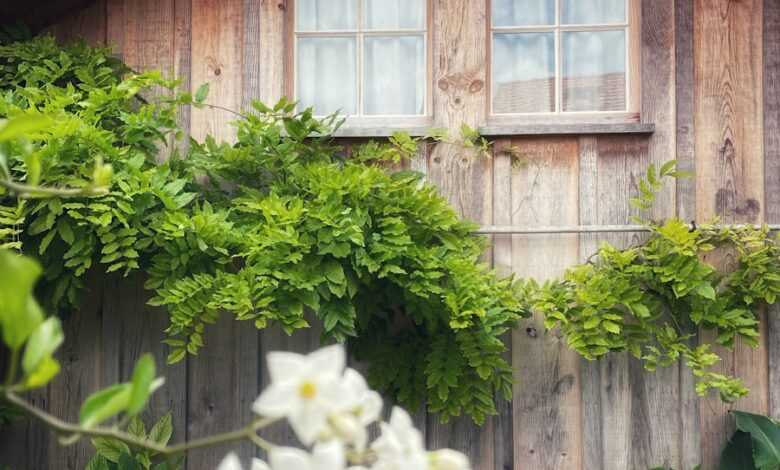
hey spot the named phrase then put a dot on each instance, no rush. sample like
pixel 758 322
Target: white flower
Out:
pixel 400 445
pixel 325 456
pixel 361 407
pixel 304 389
pixel 448 459
pixel 231 462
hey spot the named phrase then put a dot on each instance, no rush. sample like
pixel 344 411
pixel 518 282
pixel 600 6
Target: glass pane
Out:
pixel 523 73
pixel 326 15
pixel 395 14
pixel 593 11
pixel 594 71
pixel 523 12
pixel 395 75
pixel 327 75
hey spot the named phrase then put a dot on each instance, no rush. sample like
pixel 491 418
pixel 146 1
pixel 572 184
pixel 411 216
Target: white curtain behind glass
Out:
pixel 327 75
pixel 394 75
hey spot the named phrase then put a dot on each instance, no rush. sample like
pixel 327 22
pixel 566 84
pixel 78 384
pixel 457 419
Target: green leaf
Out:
pixel 765 434
pixel 162 430
pixel 23 126
pixel 136 427
pixel 127 462
pixel 738 453
pixel 98 462
pixel 202 93
pixel 104 404
pixel 110 449
pixel 141 383
pixel 46 370
pixel 20 314
pixel 42 344
pixel 705 290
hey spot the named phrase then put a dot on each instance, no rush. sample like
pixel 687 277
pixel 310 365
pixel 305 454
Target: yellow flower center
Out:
pixel 307 390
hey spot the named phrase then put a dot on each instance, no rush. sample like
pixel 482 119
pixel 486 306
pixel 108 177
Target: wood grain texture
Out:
pixel 88 23
pixel 655 397
pixel 728 118
pixel 502 424
pixel 272 49
pixel 465 179
pixel 772 177
pixel 615 411
pixel 218 28
pixel 182 62
pixel 546 398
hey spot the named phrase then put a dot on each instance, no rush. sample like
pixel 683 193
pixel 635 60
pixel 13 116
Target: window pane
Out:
pixel 395 14
pixel 327 75
pixel 593 11
pixel 394 75
pixel 523 73
pixel 523 12
pixel 326 15
pixel 594 71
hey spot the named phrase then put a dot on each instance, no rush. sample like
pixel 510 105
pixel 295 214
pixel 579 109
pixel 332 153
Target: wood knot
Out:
pixel 531 331
pixel 281 6
pixel 476 86
pixel 443 84
pixel 217 71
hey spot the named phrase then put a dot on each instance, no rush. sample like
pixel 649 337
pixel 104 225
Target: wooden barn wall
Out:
pixel 711 72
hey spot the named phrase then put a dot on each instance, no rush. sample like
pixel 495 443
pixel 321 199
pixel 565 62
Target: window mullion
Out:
pixel 360 53
pixel 558 59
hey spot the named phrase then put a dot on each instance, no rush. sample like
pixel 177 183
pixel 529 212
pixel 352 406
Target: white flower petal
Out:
pixel 400 419
pixel 289 458
pixel 328 456
pixel 230 462
pixel 308 422
pixel 285 365
pixel 370 407
pixel 278 400
pixel 258 464
pixel 328 360
pixel 353 379
pixel 448 459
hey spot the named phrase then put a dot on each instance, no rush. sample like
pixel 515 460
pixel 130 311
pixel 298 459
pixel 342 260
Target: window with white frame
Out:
pixel 362 58
pixel 564 57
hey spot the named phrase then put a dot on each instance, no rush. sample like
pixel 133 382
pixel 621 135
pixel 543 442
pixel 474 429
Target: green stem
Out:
pixel 248 432
pixel 13 367
pixel 34 191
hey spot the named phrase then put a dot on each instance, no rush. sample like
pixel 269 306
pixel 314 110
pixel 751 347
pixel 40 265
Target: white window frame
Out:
pixel 631 27
pixel 360 119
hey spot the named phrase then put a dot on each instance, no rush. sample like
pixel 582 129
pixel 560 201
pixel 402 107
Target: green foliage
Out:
pixel 113 454
pixel 755 444
pixel 269 228
pixel 652 299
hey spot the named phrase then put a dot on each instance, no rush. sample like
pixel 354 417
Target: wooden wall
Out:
pixel 711 72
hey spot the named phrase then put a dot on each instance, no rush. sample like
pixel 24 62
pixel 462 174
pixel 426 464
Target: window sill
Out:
pixel 380 131
pixel 568 129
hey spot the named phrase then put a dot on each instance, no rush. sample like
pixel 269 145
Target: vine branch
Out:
pixel 248 432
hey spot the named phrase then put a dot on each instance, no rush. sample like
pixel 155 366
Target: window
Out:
pixel 564 58
pixel 364 58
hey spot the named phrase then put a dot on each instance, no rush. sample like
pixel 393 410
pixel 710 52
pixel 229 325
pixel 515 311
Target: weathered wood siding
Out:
pixel 710 84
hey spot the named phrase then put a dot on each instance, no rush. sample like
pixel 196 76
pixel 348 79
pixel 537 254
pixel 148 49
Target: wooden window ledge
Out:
pixel 568 129
pixel 638 128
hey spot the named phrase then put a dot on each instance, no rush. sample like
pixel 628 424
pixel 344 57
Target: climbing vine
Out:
pixel 652 299
pixel 266 229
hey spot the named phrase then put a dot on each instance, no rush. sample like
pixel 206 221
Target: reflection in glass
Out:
pixel 394 75
pixel 523 72
pixel 326 75
pixel 594 71
pixel 523 12
pixel 593 11
pixel 395 14
pixel 326 15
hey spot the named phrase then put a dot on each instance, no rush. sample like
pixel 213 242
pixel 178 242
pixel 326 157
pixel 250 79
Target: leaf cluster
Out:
pixel 652 299
pixel 274 229
pixel 113 454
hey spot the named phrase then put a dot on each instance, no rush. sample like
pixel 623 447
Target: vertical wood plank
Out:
pixel 87 23
pixel 655 397
pixel 83 372
pixel 503 437
pixel 772 177
pixel 217 27
pixel 546 399
pixel 459 37
pixel 223 380
pixel 729 162
pixel 610 166
pixel 272 50
pixel 182 62
pixel 253 44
